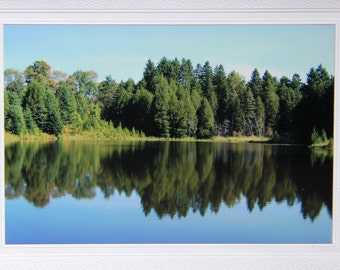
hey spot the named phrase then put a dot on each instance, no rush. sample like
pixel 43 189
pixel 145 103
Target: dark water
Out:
pixel 166 192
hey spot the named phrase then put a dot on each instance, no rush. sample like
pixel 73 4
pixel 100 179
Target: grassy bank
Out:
pixel 97 135
pixel 9 137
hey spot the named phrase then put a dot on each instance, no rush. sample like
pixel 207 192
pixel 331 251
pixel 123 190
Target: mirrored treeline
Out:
pixel 172 178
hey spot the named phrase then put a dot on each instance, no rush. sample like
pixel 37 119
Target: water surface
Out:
pixel 166 192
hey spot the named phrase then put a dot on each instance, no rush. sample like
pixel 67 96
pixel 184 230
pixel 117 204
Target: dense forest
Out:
pixel 174 99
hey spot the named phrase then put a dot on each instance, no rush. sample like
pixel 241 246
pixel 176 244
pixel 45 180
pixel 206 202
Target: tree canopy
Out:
pixel 173 99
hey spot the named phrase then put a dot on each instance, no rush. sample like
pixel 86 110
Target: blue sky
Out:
pixel 122 51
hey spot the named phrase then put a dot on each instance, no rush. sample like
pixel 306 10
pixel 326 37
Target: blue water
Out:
pixel 166 193
pixel 121 220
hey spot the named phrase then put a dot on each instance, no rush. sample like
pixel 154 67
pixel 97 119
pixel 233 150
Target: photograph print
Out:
pixel 214 134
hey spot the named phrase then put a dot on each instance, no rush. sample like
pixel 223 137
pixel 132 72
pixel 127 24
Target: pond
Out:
pixel 71 192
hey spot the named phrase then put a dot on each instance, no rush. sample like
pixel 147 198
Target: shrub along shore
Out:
pixel 88 136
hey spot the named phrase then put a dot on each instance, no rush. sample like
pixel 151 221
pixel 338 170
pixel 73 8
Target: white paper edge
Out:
pixel 173 256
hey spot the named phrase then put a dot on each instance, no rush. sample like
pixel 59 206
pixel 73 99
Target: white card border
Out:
pixel 191 12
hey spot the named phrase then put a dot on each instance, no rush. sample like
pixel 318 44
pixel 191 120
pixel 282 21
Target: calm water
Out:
pixel 166 192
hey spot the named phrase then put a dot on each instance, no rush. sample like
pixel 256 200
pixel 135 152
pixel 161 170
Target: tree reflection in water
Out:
pixel 172 178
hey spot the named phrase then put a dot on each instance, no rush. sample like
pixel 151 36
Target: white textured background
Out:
pixel 172 256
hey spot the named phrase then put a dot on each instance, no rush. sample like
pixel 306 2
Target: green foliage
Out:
pixel 39 68
pixel 105 96
pixel 316 108
pixel 31 126
pixel 319 138
pixel 53 122
pixel 173 99
pixel 270 101
pixel 206 122
pixel 86 82
pixel 172 179
pixel 15 122
pixel 67 103
pixel 161 107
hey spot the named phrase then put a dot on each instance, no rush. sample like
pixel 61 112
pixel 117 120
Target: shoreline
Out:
pixel 94 137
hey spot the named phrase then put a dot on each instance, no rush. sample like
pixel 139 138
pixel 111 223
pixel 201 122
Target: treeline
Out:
pixel 173 99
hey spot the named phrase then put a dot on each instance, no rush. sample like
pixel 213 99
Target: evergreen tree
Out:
pixel 15 120
pixel 220 83
pixel 315 111
pixel 255 83
pixel 186 74
pixel 120 112
pixel 35 100
pixel 271 102
pixel 234 110
pixel 206 79
pixel 53 122
pixel 142 104
pixel 289 97
pixel 31 126
pixel 160 107
pixel 206 122
pixel 105 96
pixel 148 75
pixel 249 113
pixel 67 103
pixel 260 117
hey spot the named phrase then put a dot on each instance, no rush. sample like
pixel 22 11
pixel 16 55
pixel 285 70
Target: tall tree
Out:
pixel 206 79
pixel 120 110
pixel 271 101
pixel 35 100
pixel 161 107
pixel 249 113
pixel 315 111
pixel 67 103
pixel 105 96
pixel 148 75
pixel 255 83
pixel 260 117
pixel 186 74
pixel 53 122
pixel 15 122
pixel 14 80
pixel 234 104
pixel 86 82
pixel 206 122
pixel 142 104
pixel 289 95
pixel 40 71
pixel 221 85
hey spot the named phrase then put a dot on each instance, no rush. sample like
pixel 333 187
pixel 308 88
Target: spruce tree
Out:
pixel 206 122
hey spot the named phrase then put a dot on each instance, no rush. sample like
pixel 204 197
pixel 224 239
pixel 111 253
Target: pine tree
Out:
pixel 35 100
pixel 271 102
pixel 206 122
pixel 53 122
pixel 67 103
pixel 15 120
pixel 255 83
pixel 161 107
pixel 148 75
pixel 220 83
pixel 260 117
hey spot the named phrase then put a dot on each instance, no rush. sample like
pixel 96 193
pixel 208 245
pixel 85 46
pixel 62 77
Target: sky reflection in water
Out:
pixel 281 205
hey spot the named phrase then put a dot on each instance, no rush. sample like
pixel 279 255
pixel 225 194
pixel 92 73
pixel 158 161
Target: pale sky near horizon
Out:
pixel 122 51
